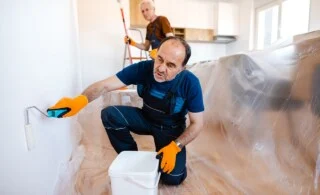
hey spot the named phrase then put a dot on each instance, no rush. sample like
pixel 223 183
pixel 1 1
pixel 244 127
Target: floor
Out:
pixel 259 137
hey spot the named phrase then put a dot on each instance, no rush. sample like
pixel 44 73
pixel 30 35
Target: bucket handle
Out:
pixel 130 179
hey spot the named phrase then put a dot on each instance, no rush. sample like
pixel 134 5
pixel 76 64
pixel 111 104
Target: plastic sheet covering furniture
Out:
pixel 261 133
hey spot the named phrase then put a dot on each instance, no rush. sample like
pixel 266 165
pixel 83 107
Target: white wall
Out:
pixel 38 67
pixel 259 3
pixel 206 51
pixel 101 35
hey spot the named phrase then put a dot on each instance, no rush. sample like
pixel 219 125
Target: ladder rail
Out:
pixel 134 58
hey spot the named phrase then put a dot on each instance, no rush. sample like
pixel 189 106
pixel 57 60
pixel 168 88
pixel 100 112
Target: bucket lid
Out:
pixel 134 163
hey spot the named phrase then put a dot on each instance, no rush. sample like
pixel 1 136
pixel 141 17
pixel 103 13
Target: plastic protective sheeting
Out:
pixel 261 133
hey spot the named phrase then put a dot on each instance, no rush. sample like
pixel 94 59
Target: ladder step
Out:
pixel 137 58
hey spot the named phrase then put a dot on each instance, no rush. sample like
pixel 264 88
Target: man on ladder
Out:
pixel 133 58
pixel 158 29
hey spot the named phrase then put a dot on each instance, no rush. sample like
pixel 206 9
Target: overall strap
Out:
pixel 170 96
pixel 142 89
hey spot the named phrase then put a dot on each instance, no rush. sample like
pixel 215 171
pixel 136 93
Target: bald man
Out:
pixel 169 93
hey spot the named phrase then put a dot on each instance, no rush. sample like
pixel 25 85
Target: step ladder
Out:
pixel 134 52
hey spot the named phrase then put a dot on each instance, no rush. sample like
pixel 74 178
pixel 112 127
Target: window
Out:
pixel 281 19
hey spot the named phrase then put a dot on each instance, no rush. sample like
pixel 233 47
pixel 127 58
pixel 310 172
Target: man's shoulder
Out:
pixel 146 63
pixel 162 18
pixel 189 81
pixel 191 77
pixel 145 67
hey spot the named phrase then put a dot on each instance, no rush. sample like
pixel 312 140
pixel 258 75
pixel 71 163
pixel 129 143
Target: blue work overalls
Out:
pixel 156 118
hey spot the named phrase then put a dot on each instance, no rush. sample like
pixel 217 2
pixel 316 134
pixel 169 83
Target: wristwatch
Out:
pixel 179 144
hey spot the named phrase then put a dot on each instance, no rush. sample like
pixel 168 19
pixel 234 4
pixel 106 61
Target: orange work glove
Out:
pixel 66 107
pixel 169 154
pixel 129 40
pixel 153 53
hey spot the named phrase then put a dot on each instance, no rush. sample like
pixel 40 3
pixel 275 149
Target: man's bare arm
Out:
pixel 193 130
pixel 143 46
pixel 97 89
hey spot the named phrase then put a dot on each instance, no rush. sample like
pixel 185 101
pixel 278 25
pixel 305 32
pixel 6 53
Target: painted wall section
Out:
pixel 101 35
pixel 38 67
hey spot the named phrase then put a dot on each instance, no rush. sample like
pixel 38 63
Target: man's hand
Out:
pixel 130 41
pixel 153 53
pixel 169 153
pixel 66 107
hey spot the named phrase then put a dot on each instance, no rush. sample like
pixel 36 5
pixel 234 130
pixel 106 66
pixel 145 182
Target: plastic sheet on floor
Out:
pixel 261 133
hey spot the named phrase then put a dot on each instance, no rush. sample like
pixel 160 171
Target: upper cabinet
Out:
pixel 227 19
pixel 172 10
pixel 187 13
pixel 136 17
pixel 199 14
pixel 205 19
pixel 180 13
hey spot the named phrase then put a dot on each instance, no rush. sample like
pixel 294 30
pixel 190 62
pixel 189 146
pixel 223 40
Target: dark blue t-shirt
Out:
pixel 189 94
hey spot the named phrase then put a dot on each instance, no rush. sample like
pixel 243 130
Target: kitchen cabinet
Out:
pixel 227 20
pixel 136 17
pixel 180 13
pixel 194 34
pixel 199 35
pixel 194 20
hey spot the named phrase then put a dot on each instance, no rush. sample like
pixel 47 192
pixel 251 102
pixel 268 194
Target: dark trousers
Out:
pixel 120 120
